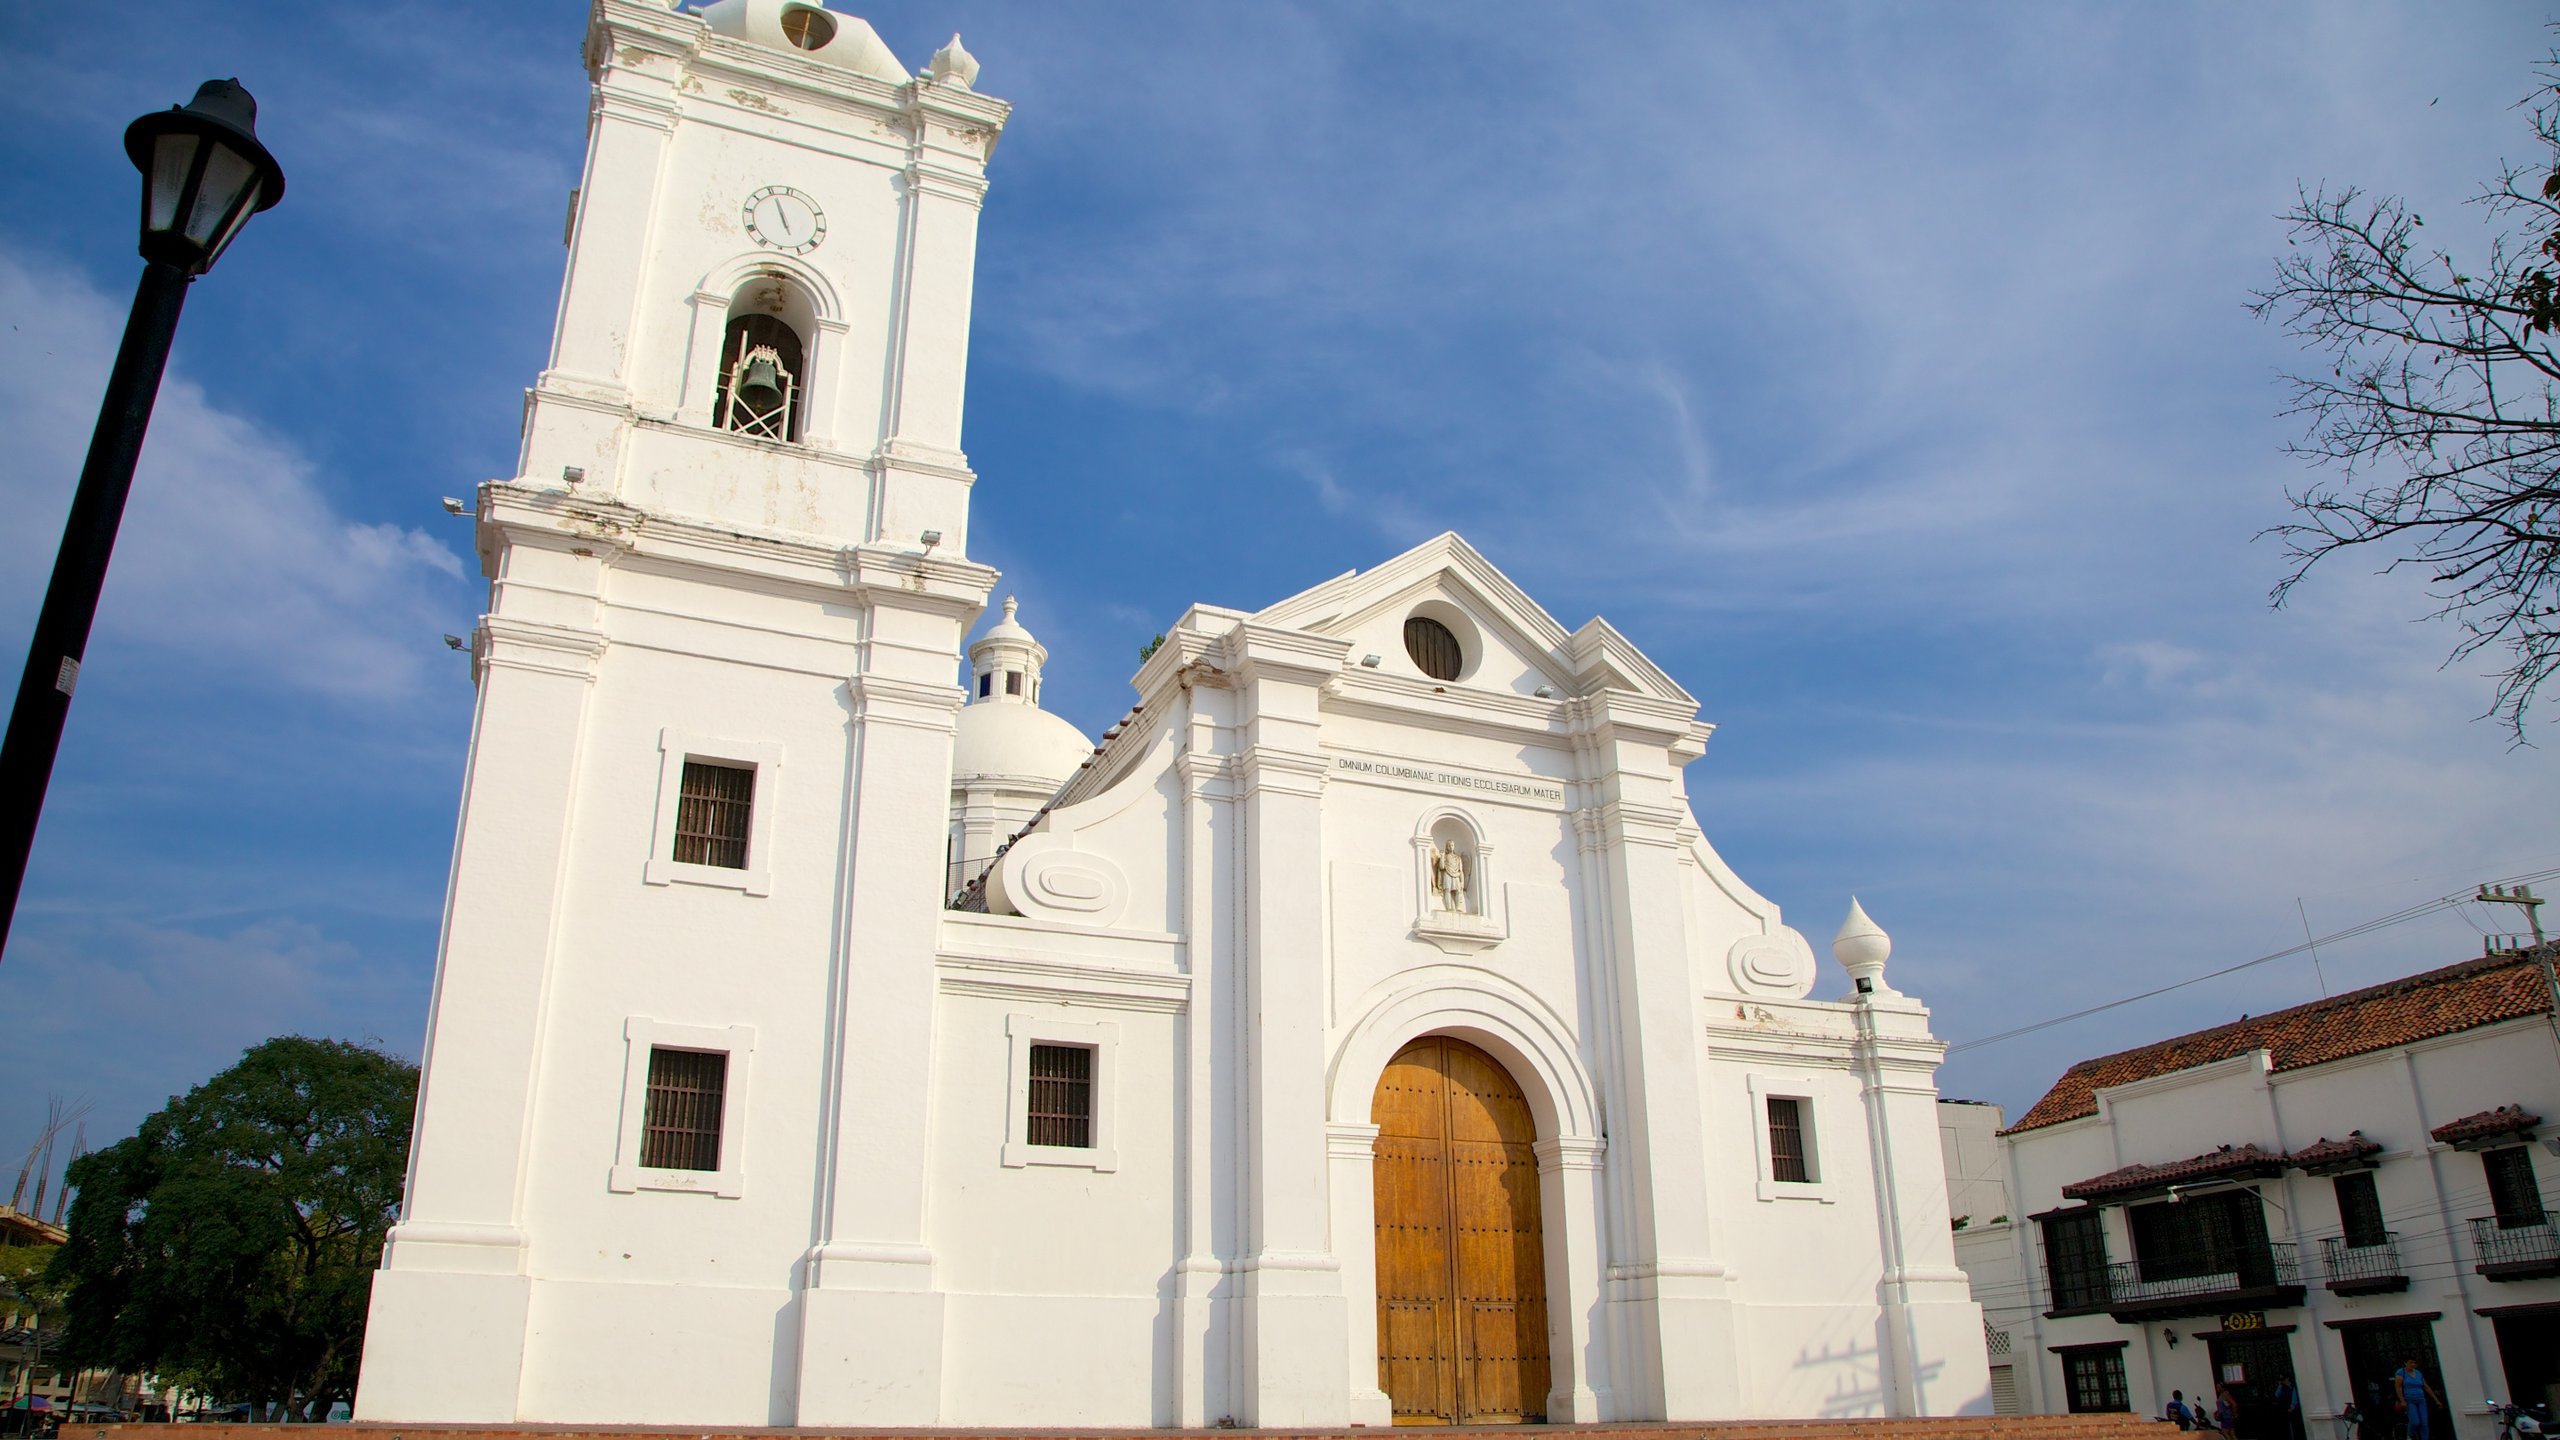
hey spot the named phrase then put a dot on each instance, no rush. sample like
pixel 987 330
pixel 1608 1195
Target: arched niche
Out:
pixel 1458 896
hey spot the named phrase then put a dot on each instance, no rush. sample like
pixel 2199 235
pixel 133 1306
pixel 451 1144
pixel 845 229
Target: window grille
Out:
pixel 1061 1111
pixel 2512 1193
pixel 2075 1261
pixel 681 1127
pixel 1433 648
pixel 712 806
pixel 1786 1141
pixel 2359 1209
pixel 2094 1380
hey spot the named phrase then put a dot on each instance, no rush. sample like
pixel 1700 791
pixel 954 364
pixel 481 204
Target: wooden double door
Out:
pixel 1462 1293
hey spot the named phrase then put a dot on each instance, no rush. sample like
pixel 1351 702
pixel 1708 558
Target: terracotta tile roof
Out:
pixel 2439 1002
pixel 2505 1120
pixel 2231 1161
pixel 2326 1156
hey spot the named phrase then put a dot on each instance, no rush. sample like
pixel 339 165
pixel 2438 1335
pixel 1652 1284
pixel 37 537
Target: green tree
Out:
pixel 232 1239
pixel 2434 405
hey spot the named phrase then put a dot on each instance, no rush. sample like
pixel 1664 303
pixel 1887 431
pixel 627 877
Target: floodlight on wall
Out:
pixel 1369 662
pixel 931 538
pixel 573 474
pixel 456 507
pixel 1545 692
pixel 456 642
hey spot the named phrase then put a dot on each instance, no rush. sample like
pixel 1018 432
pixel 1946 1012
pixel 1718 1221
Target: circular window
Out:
pixel 807 27
pixel 1433 648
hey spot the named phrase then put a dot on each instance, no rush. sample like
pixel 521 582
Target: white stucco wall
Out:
pixel 1231 905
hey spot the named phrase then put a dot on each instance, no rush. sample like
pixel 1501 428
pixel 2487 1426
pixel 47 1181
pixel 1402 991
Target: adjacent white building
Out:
pixel 1365 1031
pixel 2313 1195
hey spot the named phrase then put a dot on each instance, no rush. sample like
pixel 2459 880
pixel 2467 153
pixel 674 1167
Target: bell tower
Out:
pixel 700 859
pixel 766 314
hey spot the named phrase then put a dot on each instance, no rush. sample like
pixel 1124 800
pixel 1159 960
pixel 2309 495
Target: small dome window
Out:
pixel 1433 647
pixel 807 27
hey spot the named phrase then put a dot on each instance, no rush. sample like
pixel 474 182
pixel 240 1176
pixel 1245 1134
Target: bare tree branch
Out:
pixel 2440 414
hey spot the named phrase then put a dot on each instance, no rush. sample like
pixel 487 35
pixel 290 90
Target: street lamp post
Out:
pixel 203 175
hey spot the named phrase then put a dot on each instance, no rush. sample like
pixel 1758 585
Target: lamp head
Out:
pixel 203 175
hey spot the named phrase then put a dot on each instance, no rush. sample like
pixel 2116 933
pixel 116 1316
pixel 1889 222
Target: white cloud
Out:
pixel 232 556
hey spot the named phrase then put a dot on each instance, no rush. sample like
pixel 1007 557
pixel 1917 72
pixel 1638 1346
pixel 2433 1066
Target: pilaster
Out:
pixel 446 1334
pixel 1295 1325
pixel 630 122
pixel 871 1316
pixel 1675 1321
pixel 1934 1358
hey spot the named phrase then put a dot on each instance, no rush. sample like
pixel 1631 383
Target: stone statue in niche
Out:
pixel 1449 879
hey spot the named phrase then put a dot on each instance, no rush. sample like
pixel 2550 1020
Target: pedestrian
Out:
pixel 2226 1411
pixel 2288 1403
pixel 2414 1394
pixel 2176 1411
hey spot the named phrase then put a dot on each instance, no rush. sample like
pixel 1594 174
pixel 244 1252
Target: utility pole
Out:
pixel 2523 898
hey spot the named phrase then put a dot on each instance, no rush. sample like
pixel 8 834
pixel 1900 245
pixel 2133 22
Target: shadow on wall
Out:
pixel 1852 1377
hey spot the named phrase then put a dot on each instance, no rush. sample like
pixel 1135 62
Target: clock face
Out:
pixel 786 220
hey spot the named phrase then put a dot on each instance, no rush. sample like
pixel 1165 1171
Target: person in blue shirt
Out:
pixel 2414 1392
pixel 2288 1406
pixel 2176 1411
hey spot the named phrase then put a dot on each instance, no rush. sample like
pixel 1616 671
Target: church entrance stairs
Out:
pixel 1961 1427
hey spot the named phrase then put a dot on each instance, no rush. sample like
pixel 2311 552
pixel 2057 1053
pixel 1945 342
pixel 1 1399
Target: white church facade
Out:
pixel 825 1035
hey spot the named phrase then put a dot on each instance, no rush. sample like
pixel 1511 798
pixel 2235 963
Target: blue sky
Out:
pixel 1883 371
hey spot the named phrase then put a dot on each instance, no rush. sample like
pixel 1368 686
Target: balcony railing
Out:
pixel 2363 1269
pixel 2268 1277
pixel 2509 1250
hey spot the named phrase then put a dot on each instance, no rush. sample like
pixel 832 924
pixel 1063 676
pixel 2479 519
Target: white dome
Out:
pixel 1016 741
pixel 808 28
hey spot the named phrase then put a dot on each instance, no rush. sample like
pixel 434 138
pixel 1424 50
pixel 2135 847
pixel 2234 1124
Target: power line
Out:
pixel 2383 922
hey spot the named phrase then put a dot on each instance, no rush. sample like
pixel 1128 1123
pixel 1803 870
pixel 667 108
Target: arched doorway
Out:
pixel 1462 1294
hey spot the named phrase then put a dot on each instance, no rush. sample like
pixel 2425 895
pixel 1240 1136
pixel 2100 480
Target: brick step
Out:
pixel 1962 1427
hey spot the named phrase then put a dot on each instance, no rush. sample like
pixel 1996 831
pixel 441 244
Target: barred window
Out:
pixel 681 1126
pixel 2359 1209
pixel 1061 1111
pixel 2513 1195
pixel 713 803
pixel 1786 1141
pixel 2093 1379
pixel 2075 1261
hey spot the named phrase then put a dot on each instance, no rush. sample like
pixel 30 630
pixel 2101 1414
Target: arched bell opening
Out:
pixel 1460 1239
pixel 762 386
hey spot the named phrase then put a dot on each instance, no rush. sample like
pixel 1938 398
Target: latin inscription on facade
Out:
pixel 1456 780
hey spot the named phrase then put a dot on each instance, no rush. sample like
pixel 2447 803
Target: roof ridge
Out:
pixel 2445 1000
pixel 2462 970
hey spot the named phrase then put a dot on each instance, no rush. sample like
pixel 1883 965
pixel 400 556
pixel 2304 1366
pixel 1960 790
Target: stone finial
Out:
pixel 1010 605
pixel 1861 948
pixel 954 65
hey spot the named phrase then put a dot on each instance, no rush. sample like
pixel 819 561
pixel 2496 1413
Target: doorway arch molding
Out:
pixel 1485 1009
pixel 1499 1016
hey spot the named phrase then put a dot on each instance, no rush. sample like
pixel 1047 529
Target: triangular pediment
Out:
pixel 1513 642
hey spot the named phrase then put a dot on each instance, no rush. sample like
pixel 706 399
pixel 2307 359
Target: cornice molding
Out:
pixel 535 647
